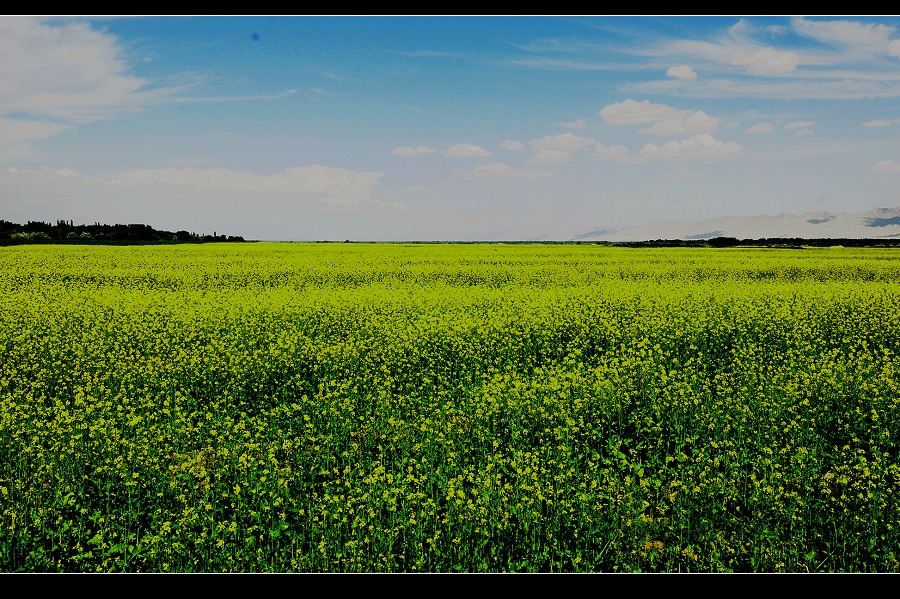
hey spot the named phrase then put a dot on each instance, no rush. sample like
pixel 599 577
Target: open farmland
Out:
pixel 360 407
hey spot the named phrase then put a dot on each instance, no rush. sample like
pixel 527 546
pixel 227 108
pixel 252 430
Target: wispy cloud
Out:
pixel 891 167
pixel 213 99
pixel 498 170
pixel 618 154
pixel 800 127
pixel 682 72
pixel 663 120
pixel 562 64
pixel 882 123
pixel 412 152
pixel 558 149
pixel 819 86
pixel 512 144
pixel 868 36
pixel 465 151
pixel 737 62
pixel 761 128
pixel 632 112
pixel 554 45
pixel 756 60
pixel 293 199
pixel 69 73
pixel 324 184
pixel 16 135
pixel 698 146
pixel 56 76
pixel 680 172
pixel 579 124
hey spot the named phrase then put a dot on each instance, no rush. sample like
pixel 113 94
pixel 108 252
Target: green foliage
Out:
pixel 723 242
pixel 68 232
pixel 355 407
pixel 36 236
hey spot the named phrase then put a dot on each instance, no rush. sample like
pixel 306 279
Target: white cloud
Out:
pixel 328 185
pixel 579 124
pixel 16 134
pixel 15 151
pixel 512 144
pixel 893 48
pixel 663 120
pixel 762 61
pixel 696 123
pixel 297 203
pixel 800 127
pixel 412 152
pixel 761 128
pixel 833 85
pixel 15 130
pixel 698 146
pixel 776 71
pixel 851 33
pixel 220 99
pixel 739 49
pixel 680 172
pixel 54 76
pixel 558 149
pixel 498 170
pixel 887 166
pixel 759 60
pixel 618 154
pixel 632 112
pixel 682 72
pixel 67 72
pixel 558 64
pixel 882 123
pixel 465 151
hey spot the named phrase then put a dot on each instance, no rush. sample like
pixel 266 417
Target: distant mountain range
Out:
pixel 879 223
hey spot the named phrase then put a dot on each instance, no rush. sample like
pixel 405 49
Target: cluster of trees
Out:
pixel 798 242
pixel 771 242
pixel 68 232
pixel 716 242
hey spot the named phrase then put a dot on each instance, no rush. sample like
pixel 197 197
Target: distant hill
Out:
pixel 879 223
pixel 68 232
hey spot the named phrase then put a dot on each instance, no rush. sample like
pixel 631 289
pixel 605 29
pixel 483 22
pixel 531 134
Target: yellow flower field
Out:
pixel 433 407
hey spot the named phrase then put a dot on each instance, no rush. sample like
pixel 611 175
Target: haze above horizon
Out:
pixel 444 128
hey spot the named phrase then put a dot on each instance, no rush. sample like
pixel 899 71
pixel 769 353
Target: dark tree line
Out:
pixel 68 232
pixel 799 242
pixel 770 242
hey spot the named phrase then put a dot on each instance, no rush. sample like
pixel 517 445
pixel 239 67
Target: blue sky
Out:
pixel 465 128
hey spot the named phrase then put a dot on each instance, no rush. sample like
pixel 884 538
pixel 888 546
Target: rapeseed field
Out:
pixel 479 408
